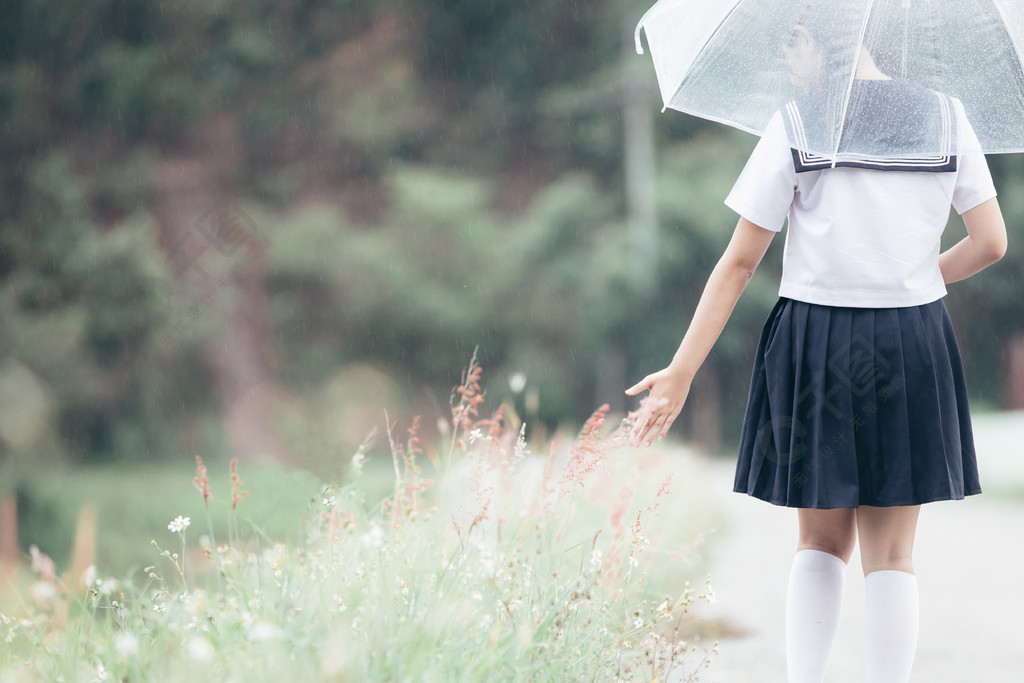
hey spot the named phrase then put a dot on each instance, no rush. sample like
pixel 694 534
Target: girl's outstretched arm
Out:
pixel 670 386
pixel 984 245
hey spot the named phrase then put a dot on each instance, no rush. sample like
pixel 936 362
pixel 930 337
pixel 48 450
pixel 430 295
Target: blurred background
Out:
pixel 246 228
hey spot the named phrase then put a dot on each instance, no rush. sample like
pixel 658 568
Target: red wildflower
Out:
pixel 201 481
pixel 470 396
pixel 414 439
pixel 589 450
pixel 237 494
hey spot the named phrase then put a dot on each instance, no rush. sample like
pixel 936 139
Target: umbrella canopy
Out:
pixel 857 78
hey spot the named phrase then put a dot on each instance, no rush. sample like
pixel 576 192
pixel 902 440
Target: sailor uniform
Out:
pixel 857 395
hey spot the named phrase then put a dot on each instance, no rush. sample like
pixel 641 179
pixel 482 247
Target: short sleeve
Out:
pixel 763 194
pixel 973 179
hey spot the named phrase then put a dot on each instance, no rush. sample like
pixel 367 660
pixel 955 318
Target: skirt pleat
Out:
pixel 857 406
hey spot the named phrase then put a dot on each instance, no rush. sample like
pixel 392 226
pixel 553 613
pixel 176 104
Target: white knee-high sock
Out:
pixel 813 603
pixel 891 610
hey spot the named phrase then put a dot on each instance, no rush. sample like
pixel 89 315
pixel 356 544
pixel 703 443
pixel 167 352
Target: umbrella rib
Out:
pixel 849 85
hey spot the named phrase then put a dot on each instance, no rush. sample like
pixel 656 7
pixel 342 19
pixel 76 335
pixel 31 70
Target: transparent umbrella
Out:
pixel 854 79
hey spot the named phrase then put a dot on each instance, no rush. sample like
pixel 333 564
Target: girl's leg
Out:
pixel 815 595
pixel 890 591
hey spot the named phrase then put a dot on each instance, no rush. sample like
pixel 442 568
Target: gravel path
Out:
pixel 968 556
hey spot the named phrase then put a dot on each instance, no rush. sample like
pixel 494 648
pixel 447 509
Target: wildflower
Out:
pixel 589 451
pixel 126 644
pixel 595 558
pixel 101 673
pixel 42 591
pixel 42 564
pixel 201 481
pixel 475 434
pixel 517 382
pixel 470 396
pixel 264 630
pixel 478 596
pixel 179 524
pixel 89 576
pixel 200 650
pixel 414 439
pixel 638 622
pixel 357 461
pixel 633 562
pixel 237 494
pixel 520 450
pixel 374 538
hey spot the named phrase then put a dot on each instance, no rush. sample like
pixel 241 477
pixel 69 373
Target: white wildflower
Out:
pixel 42 591
pixel 179 524
pixel 357 461
pixel 101 673
pixel 126 644
pixel 263 631
pixel 200 650
pixel 374 538
pixel 477 595
pixel 517 382
pixel 595 558
pixel 475 434
pixel 88 577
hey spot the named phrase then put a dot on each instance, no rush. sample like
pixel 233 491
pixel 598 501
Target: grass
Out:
pixel 489 557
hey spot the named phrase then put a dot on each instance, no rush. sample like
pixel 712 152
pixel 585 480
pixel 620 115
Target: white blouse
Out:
pixel 859 237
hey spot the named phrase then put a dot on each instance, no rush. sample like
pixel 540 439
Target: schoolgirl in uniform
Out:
pixel 857 412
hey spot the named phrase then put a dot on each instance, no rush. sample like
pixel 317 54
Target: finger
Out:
pixel 643 416
pixel 641 427
pixel 646 430
pixel 655 426
pixel 643 385
pixel 665 428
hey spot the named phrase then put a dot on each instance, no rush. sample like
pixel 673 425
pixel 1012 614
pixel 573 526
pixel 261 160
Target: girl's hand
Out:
pixel 658 411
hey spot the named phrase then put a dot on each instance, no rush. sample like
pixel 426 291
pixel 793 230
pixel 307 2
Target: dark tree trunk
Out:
pixel 218 255
pixel 1013 373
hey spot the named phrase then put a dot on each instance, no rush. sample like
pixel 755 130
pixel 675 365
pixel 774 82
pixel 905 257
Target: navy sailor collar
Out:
pixel 924 120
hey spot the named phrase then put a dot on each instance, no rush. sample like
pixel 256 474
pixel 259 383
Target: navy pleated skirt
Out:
pixel 857 406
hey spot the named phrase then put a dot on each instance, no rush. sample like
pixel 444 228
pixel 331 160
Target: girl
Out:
pixel 857 412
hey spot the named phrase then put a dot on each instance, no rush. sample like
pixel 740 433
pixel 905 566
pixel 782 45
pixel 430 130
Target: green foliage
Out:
pixel 134 502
